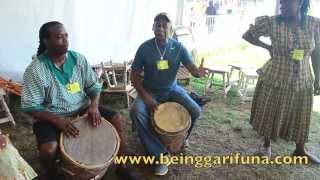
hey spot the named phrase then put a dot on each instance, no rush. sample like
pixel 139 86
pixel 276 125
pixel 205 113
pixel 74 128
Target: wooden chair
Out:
pixel 248 77
pixel 217 70
pixel 183 76
pixel 5 114
pixel 235 67
pixel 117 79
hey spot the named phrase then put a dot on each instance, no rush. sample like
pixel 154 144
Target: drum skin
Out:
pixel 171 122
pixel 89 155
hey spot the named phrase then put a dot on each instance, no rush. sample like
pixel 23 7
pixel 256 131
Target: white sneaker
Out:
pixel 186 143
pixel 161 169
pixel 265 151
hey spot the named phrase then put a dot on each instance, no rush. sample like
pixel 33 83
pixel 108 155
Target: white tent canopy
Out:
pixel 99 29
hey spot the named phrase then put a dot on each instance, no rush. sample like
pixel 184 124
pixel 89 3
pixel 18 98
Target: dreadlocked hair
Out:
pixel 44 33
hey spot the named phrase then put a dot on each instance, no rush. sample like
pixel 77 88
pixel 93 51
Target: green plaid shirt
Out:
pixel 46 87
pixel 281 70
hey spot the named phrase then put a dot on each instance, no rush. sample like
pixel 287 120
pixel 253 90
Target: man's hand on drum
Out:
pixel 3 141
pixel 67 127
pixel 94 115
pixel 151 103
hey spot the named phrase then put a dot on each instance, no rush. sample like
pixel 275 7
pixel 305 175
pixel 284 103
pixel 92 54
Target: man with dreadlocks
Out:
pixel 60 83
pixel 283 98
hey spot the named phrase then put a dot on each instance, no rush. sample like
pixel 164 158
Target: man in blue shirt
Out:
pixel 159 59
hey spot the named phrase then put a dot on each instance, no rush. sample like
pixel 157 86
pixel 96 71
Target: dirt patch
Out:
pixel 222 129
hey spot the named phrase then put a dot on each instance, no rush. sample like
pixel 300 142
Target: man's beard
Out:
pixel 61 50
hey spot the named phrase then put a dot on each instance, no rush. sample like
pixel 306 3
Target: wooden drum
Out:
pixel 89 155
pixel 171 122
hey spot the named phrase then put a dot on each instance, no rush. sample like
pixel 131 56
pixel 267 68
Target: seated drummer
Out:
pixel 60 83
pixel 159 59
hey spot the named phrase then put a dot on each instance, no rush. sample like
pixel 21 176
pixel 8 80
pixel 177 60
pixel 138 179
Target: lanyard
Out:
pixel 161 54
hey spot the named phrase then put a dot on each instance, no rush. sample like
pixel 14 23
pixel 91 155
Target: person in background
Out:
pixel 192 15
pixel 283 99
pixel 210 13
pixel 12 165
pixel 159 59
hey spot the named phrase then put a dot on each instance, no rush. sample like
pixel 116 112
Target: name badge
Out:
pixel 162 65
pixel 73 87
pixel 298 54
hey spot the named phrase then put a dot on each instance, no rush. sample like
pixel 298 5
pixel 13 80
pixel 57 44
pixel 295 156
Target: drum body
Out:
pixel 89 155
pixel 171 123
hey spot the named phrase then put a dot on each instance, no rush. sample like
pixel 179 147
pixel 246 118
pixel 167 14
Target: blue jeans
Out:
pixel 141 117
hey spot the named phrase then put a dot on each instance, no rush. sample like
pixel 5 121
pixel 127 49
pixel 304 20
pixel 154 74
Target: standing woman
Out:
pixel 283 98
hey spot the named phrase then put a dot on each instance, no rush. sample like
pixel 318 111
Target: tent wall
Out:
pixel 99 29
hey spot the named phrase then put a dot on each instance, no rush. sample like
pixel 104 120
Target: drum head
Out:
pixel 94 146
pixel 171 117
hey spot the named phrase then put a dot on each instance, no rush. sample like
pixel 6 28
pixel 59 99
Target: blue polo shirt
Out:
pixel 147 58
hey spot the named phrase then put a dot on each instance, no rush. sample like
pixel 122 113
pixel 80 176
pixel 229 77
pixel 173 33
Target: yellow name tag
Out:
pixel 73 87
pixel 297 54
pixel 162 65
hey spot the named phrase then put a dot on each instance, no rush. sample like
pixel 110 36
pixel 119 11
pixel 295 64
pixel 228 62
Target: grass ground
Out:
pixel 222 129
pixel 241 53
